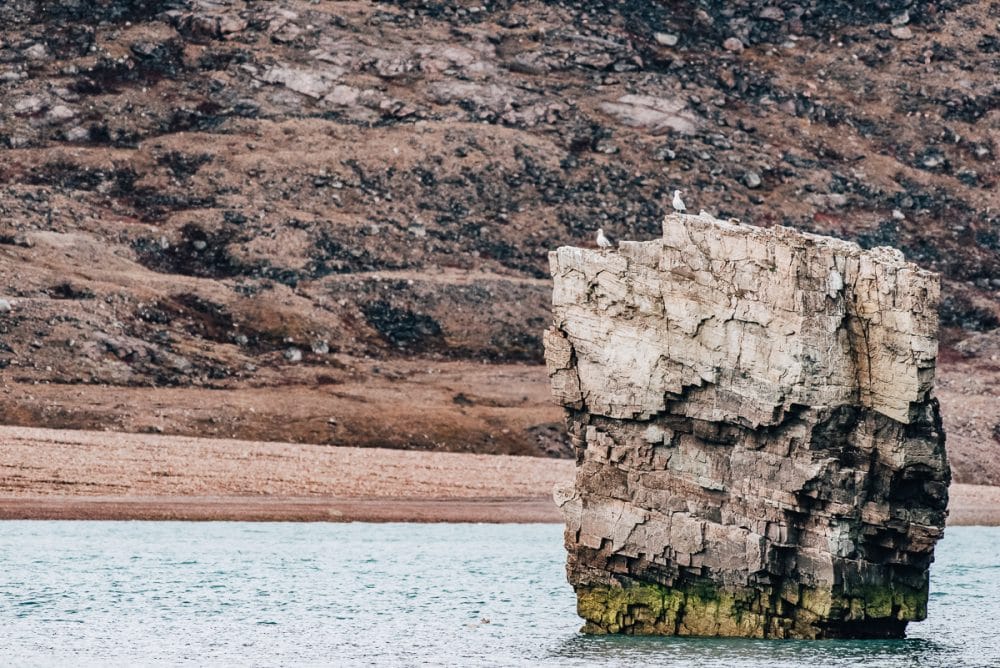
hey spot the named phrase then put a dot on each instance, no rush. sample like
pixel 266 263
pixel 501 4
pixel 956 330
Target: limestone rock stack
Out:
pixel 759 450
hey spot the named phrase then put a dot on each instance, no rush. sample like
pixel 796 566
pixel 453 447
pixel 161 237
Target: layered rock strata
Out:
pixel 759 449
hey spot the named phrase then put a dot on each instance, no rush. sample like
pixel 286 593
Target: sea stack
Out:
pixel 759 451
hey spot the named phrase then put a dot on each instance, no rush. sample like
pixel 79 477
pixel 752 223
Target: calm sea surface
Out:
pixel 140 593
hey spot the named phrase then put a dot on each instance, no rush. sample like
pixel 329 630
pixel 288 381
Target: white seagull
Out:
pixel 678 202
pixel 602 241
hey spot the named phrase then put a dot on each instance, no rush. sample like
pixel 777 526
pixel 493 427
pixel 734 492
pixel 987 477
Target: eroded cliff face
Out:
pixel 759 449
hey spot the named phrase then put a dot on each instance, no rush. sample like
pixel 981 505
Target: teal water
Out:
pixel 244 594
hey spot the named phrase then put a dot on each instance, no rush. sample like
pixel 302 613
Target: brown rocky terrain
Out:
pixel 328 221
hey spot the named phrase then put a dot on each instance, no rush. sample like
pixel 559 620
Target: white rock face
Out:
pixel 653 113
pixel 752 320
pixel 759 450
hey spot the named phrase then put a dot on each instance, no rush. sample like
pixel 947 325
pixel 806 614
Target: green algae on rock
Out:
pixel 759 450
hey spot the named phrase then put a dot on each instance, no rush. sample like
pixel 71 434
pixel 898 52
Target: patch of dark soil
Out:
pixel 98 11
pixel 150 64
pixel 511 256
pixel 202 318
pixel 67 290
pixel 71 176
pixel 11 239
pixel 886 234
pixel 103 134
pixel 70 41
pixel 989 44
pixel 402 328
pixel 220 59
pixel 462 400
pixel 958 311
pixel 330 256
pixel 517 346
pixel 199 253
pixel 156 314
pixel 990 239
pixel 184 166
pixel 971 108
pixel 153 204
pixel 206 117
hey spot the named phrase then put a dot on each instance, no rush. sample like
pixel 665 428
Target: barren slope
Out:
pixel 195 194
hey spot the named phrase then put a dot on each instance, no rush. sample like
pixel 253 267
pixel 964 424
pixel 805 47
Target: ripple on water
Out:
pixel 393 594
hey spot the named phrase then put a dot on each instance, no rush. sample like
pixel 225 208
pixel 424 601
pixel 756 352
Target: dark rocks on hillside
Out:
pixel 291 151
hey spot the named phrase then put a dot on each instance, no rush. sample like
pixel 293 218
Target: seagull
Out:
pixel 678 202
pixel 602 241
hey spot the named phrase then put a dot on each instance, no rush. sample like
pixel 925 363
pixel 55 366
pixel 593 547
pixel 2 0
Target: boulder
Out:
pixel 655 114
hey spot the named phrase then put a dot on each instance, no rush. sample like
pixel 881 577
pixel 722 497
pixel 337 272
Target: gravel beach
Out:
pixel 57 474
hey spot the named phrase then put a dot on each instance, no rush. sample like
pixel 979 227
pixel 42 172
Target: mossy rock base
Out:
pixel 704 609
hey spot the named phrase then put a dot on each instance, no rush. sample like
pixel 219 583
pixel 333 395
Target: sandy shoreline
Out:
pixel 281 509
pixel 57 474
pixel 53 474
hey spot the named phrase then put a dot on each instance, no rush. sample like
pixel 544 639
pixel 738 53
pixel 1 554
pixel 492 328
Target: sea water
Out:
pixel 243 594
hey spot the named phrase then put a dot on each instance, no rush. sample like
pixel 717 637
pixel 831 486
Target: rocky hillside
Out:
pixel 329 220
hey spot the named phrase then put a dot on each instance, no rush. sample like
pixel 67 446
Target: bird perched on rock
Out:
pixel 678 202
pixel 602 241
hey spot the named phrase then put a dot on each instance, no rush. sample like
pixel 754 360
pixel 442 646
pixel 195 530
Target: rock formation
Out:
pixel 759 450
